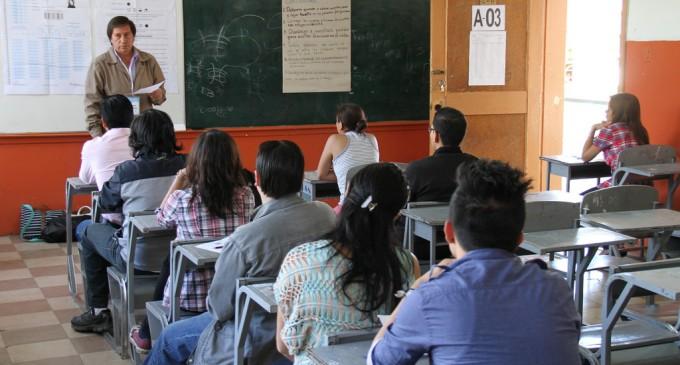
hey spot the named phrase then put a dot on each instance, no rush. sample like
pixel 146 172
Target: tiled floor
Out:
pixel 36 309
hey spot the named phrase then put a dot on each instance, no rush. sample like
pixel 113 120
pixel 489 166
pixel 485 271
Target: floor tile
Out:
pixel 103 358
pixel 41 350
pixel 54 280
pixel 9 256
pixel 17 284
pixel 32 306
pixel 31 246
pixel 73 334
pixel 89 344
pixel 33 334
pixel 60 303
pixel 7 248
pixel 5 240
pixel 14 274
pixel 36 254
pixel 4 356
pixel 69 360
pixel 20 295
pixel 45 261
pixel 14 264
pixel 21 321
pixel 48 270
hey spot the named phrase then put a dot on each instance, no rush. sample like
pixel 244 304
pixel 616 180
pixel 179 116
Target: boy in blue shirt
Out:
pixel 485 307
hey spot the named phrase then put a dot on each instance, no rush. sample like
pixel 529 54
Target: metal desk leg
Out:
pixel 672 186
pixel 547 175
pixel 572 259
pixel 433 246
pixel 177 271
pixel 411 232
pixel 70 264
pixel 579 285
pixel 244 313
pixel 611 311
pixel 568 179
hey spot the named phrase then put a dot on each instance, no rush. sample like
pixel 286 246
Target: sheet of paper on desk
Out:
pixel 149 89
pixel 214 246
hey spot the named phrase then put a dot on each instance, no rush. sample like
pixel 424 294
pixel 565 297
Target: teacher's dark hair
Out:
pixel 120 21
pixel 214 171
pixel 280 168
pixel 365 234
pixel 153 135
pixel 116 111
pixel 352 117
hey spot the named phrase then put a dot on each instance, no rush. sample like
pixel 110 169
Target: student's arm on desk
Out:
pixel 334 145
pixel 589 149
pixel 402 338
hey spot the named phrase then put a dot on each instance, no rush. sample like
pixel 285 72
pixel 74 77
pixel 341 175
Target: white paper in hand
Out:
pixel 149 89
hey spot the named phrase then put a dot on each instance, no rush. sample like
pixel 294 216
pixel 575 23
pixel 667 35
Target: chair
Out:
pixel 128 289
pixel 650 154
pixel 550 215
pixel 250 291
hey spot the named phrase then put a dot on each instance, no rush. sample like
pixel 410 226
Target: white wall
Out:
pixel 653 20
pixel 64 113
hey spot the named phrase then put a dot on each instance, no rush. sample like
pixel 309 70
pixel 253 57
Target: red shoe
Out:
pixel 142 345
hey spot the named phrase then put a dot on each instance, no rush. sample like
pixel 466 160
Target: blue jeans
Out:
pixel 80 229
pixel 178 341
pixel 100 249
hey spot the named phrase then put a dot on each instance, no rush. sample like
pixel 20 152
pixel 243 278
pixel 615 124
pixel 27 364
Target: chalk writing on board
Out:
pixel 316 45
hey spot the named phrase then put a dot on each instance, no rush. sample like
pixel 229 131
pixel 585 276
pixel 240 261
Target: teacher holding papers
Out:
pixel 123 69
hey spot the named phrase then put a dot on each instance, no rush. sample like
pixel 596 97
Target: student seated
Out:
pixel 135 186
pixel 484 307
pixel 343 282
pixel 350 147
pixel 102 154
pixel 255 249
pixel 621 130
pixel 434 178
pixel 209 198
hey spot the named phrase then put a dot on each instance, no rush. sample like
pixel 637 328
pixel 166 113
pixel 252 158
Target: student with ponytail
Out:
pixel 343 282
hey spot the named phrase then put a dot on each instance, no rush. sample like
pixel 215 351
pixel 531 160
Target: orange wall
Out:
pixel 653 75
pixel 36 165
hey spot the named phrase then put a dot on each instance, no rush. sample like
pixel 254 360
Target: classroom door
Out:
pixel 499 117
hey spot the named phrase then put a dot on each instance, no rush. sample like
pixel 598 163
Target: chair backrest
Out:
pixel 351 172
pixel 646 155
pixel 619 198
pixel 550 215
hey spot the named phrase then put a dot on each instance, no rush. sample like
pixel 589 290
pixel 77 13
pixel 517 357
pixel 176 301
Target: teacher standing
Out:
pixel 121 70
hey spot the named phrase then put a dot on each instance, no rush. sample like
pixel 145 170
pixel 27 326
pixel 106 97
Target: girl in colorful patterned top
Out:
pixel 622 129
pixel 210 198
pixel 344 282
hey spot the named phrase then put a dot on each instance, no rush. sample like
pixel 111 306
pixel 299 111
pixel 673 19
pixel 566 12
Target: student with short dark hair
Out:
pixel 102 154
pixel 484 307
pixel 434 178
pixel 348 148
pixel 135 185
pixel 255 249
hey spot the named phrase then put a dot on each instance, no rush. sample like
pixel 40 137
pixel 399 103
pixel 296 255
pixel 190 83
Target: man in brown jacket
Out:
pixel 113 71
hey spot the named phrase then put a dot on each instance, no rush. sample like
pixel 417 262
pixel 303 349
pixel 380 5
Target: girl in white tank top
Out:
pixel 350 147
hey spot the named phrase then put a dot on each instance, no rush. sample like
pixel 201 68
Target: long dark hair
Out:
pixel 365 233
pixel 214 171
pixel 626 109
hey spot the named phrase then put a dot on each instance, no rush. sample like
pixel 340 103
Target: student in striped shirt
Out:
pixel 350 147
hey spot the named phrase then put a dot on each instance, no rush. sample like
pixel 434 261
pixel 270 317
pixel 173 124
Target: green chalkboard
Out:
pixel 233 64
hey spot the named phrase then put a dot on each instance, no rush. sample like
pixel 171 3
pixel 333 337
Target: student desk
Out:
pixel 247 296
pixel 182 256
pixel 671 170
pixel 313 188
pixel 574 168
pixel 425 222
pixel 664 282
pixel 74 186
pixel 658 223
pixel 353 353
pixel 574 241
pixel 554 196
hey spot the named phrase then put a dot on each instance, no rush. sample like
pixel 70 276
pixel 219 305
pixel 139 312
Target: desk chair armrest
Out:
pixel 254 280
pixel 424 204
pixel 96 209
pixel 178 242
pixel 141 212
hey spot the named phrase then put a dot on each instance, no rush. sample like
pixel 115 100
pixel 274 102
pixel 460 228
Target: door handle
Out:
pixel 438 72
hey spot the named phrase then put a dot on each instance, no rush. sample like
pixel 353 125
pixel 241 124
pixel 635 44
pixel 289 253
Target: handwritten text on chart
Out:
pixel 316 45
